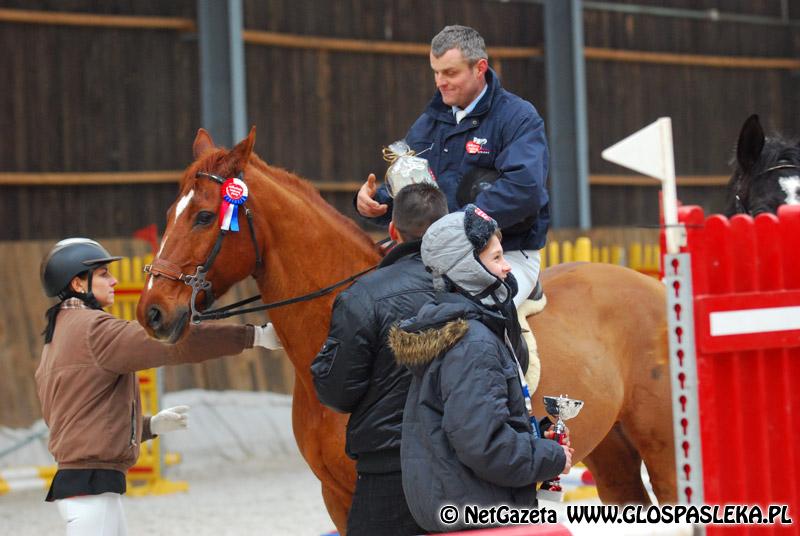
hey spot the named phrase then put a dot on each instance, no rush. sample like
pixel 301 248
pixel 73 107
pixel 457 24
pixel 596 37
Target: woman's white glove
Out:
pixel 169 420
pixel 266 337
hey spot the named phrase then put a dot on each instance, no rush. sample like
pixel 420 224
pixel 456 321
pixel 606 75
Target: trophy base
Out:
pixel 548 495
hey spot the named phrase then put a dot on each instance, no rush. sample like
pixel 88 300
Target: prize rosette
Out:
pixel 234 193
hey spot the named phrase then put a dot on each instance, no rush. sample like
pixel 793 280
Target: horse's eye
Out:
pixel 203 218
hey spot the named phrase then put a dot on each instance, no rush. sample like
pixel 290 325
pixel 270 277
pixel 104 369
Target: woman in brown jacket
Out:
pixel 88 389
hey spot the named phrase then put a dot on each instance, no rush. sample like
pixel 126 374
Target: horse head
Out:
pixel 198 260
pixel 766 172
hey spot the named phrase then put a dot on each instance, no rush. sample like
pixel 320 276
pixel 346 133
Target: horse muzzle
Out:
pixel 167 328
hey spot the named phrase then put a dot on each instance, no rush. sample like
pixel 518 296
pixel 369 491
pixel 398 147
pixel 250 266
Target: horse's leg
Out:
pixel 337 508
pixel 318 432
pixel 616 467
pixel 647 415
pixel 648 424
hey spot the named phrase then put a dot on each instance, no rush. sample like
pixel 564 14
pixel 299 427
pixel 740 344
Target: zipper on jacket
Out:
pixel 133 423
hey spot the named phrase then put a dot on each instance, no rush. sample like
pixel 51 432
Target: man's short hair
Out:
pixel 464 38
pixel 416 207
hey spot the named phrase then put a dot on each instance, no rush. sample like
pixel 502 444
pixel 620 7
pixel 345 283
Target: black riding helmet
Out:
pixel 69 258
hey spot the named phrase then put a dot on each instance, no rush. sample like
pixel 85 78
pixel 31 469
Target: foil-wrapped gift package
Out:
pixel 405 168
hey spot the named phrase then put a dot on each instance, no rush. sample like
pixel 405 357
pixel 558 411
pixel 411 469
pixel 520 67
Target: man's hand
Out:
pixel 169 420
pixel 568 453
pixel 266 337
pixel 365 202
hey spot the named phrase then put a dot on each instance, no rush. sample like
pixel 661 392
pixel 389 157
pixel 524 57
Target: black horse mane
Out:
pixel 753 187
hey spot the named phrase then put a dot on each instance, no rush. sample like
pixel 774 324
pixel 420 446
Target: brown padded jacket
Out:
pixel 88 389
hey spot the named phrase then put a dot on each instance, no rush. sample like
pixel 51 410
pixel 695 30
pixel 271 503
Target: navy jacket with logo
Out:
pixel 503 132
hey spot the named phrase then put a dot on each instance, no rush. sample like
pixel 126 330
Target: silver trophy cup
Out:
pixel 563 409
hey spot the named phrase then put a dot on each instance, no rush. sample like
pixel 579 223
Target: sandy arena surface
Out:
pixel 239 457
pixel 253 497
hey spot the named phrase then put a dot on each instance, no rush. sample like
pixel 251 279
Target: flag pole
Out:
pixel 649 151
pixel 668 188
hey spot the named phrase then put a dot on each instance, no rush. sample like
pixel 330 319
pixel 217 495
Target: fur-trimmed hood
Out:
pixel 419 349
pixel 438 326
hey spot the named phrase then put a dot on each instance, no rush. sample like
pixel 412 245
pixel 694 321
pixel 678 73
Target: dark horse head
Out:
pixel 766 173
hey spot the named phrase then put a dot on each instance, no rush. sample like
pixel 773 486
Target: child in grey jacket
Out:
pixel 467 436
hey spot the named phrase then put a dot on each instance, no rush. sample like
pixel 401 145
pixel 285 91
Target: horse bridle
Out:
pixel 198 281
pixel 740 203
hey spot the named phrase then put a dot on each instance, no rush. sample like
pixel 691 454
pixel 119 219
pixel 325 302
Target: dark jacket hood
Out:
pixel 438 326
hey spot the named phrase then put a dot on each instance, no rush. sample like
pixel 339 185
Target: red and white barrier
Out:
pixel 734 332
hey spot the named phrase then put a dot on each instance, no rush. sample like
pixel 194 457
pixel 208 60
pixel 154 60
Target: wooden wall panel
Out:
pixel 103 99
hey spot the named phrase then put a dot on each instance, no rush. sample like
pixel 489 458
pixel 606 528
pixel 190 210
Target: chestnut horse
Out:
pixel 602 338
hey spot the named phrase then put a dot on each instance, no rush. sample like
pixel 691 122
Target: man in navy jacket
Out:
pixel 472 125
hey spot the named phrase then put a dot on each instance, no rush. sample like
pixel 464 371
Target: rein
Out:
pixel 198 281
pixel 226 312
pixel 741 208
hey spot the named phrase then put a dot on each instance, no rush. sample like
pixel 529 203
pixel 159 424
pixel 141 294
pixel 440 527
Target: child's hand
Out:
pixel 550 434
pixel 568 451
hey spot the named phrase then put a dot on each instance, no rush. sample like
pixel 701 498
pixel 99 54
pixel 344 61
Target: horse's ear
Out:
pixel 238 156
pixel 751 143
pixel 202 143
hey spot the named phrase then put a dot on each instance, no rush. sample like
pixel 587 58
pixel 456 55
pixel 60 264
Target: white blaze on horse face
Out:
pixel 791 186
pixel 150 282
pixel 183 203
pixel 163 243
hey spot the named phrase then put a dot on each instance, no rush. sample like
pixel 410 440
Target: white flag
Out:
pixel 644 150
pixel 649 151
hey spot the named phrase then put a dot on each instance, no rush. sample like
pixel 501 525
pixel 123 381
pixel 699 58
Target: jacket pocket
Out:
pixel 323 363
pixel 480 160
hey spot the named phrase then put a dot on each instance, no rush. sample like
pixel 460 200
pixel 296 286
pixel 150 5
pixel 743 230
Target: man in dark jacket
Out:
pixel 473 125
pixel 355 372
pixel 467 434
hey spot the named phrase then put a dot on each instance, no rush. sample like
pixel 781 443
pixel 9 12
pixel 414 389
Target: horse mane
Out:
pixel 216 161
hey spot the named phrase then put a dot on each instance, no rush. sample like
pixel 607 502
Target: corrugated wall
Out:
pixel 101 99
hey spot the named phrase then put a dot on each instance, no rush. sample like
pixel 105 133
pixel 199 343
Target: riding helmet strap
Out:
pixel 89 294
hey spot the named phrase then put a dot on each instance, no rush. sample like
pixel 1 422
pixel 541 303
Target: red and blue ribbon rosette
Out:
pixel 234 193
